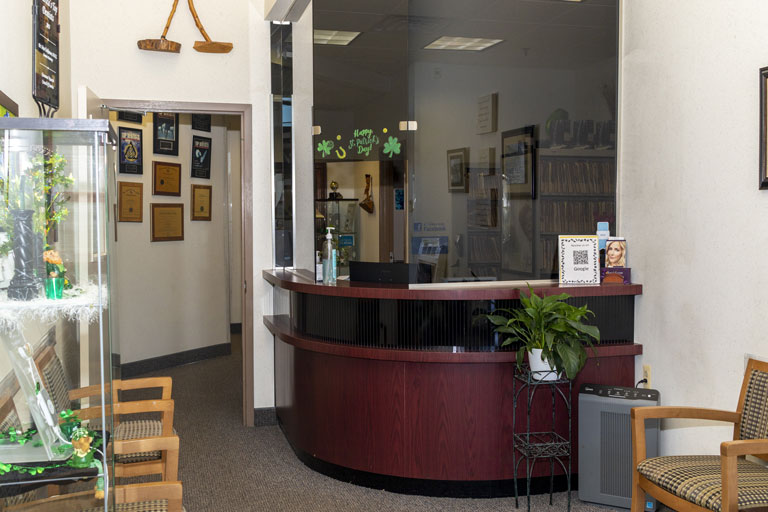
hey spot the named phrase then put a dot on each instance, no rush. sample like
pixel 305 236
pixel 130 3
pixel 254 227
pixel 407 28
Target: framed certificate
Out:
pixel 167 222
pixel 165 133
pixel 518 159
pixel 201 202
pixel 130 197
pixel 579 259
pixel 130 151
pixel 166 179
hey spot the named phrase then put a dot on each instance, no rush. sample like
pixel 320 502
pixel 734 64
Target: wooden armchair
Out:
pixel 727 482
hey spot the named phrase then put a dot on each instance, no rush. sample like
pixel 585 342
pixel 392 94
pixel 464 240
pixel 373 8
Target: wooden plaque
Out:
pixel 166 179
pixel 201 202
pixel 130 197
pixel 167 222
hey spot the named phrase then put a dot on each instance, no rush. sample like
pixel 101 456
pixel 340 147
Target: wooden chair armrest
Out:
pixel 86 392
pixel 697 413
pixel 744 447
pixel 165 383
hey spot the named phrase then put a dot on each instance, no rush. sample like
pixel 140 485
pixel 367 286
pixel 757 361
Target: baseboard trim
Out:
pixel 235 328
pixel 435 488
pixel 264 417
pixel 135 368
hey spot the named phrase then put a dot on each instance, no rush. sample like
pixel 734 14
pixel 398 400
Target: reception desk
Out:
pixel 408 389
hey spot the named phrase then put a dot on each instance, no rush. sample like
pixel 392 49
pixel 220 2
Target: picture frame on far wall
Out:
pixel 201 202
pixel 131 117
pixel 167 222
pixel 201 122
pixel 201 157
pixel 763 171
pixel 8 107
pixel 458 166
pixel 518 161
pixel 166 179
pixel 130 199
pixel 165 133
pixel 131 148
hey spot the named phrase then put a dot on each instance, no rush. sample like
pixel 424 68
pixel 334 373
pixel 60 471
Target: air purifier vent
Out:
pixel 615 451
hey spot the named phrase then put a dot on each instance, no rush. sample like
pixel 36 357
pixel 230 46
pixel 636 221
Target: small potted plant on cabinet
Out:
pixel 550 330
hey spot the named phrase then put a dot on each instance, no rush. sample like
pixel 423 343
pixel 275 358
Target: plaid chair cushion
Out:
pixel 55 382
pixel 12 420
pixel 754 420
pixel 137 429
pixel 142 506
pixel 696 478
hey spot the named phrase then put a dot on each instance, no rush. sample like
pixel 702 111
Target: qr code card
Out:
pixel 579 260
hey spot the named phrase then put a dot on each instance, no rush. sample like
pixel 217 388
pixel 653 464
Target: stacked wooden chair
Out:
pixel 724 483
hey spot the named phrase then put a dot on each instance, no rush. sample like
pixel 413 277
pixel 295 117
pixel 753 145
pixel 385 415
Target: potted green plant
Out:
pixel 550 330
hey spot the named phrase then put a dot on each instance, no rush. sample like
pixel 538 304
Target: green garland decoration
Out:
pixel 17 436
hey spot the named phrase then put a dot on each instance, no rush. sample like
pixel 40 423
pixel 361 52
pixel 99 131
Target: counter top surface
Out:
pixel 303 281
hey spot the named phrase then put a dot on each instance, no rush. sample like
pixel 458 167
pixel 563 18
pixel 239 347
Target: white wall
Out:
pixel 689 203
pixel 173 296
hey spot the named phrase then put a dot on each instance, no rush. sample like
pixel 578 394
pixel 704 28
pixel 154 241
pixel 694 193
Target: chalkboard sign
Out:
pixel 45 88
pixel 201 157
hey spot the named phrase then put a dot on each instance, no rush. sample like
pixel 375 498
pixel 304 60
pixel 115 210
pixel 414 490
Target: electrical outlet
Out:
pixel 647 375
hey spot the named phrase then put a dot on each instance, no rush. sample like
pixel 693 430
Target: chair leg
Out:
pixel 638 494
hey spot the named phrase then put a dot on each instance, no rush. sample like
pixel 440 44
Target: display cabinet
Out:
pixel 342 215
pixel 54 295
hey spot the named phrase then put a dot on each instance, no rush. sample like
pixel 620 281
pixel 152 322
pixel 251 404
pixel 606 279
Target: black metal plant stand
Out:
pixel 537 446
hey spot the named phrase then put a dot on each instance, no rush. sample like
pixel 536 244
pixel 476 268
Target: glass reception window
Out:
pixel 54 334
pixel 492 122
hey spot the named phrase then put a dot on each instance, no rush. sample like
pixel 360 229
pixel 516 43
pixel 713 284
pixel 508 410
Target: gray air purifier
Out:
pixel 605 442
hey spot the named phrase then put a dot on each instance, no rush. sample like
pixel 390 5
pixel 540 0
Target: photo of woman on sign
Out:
pixel 616 253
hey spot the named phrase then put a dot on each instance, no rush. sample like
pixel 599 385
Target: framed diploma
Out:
pixel 130 197
pixel 166 179
pixel 165 133
pixel 130 151
pixel 167 222
pixel 201 202
pixel 201 157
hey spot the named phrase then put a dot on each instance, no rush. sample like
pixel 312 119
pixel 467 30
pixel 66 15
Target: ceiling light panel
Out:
pixel 472 44
pixel 336 37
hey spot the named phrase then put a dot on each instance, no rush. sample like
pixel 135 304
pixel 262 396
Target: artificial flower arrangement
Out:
pixel 54 267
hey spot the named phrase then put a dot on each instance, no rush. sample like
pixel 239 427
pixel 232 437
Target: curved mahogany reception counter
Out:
pixel 404 389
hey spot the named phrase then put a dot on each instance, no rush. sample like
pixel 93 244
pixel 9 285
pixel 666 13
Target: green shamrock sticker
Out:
pixel 392 147
pixel 325 147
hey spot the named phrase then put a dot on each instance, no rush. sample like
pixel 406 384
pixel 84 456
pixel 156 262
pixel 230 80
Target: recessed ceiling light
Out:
pixel 473 44
pixel 337 37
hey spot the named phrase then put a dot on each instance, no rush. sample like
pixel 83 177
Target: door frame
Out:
pixel 246 211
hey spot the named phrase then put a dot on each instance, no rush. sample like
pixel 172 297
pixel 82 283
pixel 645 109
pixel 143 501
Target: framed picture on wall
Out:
pixel 201 202
pixel 201 122
pixel 167 222
pixel 131 161
pixel 458 162
pixel 166 179
pixel 8 107
pixel 130 198
pixel 201 157
pixel 763 177
pixel 518 160
pixel 131 117
pixel 165 133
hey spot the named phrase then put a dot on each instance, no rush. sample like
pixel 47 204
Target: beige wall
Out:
pixel 173 296
pixel 689 204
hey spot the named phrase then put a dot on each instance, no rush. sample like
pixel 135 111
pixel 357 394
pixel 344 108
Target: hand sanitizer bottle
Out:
pixel 329 259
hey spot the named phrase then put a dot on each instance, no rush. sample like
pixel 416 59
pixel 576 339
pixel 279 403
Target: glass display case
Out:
pixel 342 215
pixel 54 329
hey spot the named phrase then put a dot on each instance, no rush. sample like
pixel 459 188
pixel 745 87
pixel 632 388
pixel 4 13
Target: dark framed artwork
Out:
pixel 518 160
pixel 130 199
pixel 201 202
pixel 201 157
pixel 131 161
pixel 458 168
pixel 131 117
pixel 763 178
pixel 8 107
pixel 201 122
pixel 167 222
pixel 165 133
pixel 166 179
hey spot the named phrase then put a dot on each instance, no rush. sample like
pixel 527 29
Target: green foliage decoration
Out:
pixel 550 324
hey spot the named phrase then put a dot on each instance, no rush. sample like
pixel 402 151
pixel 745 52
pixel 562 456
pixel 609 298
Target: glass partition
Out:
pixel 487 128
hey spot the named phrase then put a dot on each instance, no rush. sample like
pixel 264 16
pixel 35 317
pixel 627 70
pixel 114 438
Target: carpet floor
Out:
pixel 225 466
